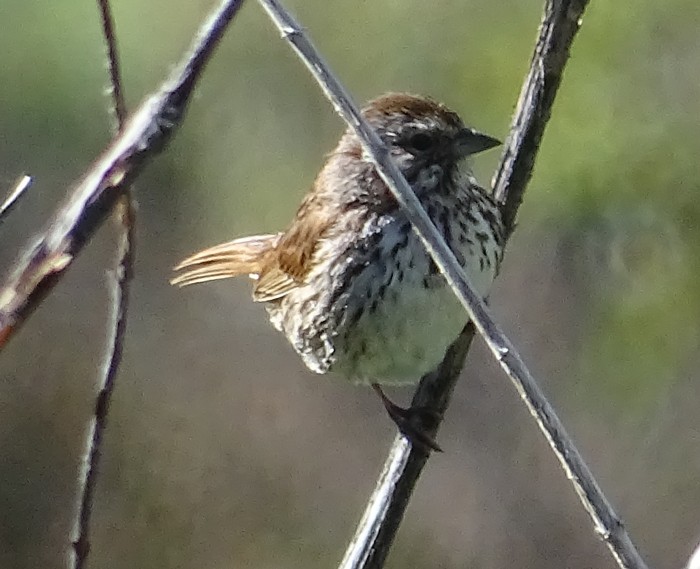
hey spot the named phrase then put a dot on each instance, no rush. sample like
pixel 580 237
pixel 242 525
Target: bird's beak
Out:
pixel 469 142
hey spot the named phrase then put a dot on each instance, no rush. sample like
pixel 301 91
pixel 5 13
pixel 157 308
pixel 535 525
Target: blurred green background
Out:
pixel 222 450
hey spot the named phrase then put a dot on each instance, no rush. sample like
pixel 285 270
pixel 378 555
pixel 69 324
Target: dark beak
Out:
pixel 469 142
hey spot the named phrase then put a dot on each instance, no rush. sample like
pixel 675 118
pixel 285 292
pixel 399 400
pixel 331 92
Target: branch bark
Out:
pixel 377 528
pixel 125 217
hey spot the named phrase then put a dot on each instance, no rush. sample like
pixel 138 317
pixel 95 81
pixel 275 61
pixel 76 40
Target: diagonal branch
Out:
pixel 144 135
pixel 87 482
pixel 561 21
pixel 113 64
pixel 559 27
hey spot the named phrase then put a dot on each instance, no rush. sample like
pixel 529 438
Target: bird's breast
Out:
pixel 375 308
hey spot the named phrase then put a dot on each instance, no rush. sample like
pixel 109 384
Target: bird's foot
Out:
pixel 412 422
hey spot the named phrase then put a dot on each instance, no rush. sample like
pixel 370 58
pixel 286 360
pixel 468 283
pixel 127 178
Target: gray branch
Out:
pixel 116 323
pixel 558 29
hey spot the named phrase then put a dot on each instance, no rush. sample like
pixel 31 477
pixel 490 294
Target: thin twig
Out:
pixel 125 216
pixel 557 32
pixel 118 107
pixel 14 195
pixel 80 542
pixel 560 23
pixel 144 135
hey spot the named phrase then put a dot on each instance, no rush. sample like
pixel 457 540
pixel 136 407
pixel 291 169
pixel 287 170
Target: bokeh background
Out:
pixel 222 450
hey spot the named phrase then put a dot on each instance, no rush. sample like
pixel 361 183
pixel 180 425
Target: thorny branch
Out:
pixel 143 136
pixel 125 216
pixel 385 510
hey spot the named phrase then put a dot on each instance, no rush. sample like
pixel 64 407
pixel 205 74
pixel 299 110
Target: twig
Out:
pixel 561 20
pixel 113 64
pixel 80 542
pixel 557 32
pixel 13 197
pixel 144 135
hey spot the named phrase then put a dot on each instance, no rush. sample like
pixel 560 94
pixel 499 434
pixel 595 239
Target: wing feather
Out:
pixel 294 254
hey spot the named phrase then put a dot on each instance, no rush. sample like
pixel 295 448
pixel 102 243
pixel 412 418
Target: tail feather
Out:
pixel 243 256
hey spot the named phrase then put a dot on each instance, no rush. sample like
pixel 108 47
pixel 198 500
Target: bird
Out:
pixel 348 282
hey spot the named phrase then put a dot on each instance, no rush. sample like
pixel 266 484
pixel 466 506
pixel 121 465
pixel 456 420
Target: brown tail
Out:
pixel 238 257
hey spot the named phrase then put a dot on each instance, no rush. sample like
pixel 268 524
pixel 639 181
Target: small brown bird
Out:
pixel 349 283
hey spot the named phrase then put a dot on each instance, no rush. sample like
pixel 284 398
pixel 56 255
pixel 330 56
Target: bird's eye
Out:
pixel 420 141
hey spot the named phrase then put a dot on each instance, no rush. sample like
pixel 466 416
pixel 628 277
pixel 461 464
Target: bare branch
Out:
pixel 14 195
pixel 561 21
pixel 144 135
pixel 87 481
pixel 113 64
pixel 549 59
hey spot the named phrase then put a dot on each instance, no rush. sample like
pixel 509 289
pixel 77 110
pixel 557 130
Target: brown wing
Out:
pixel 294 252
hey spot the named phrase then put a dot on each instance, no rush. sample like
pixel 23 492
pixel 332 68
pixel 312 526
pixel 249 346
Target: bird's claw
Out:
pixel 413 422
